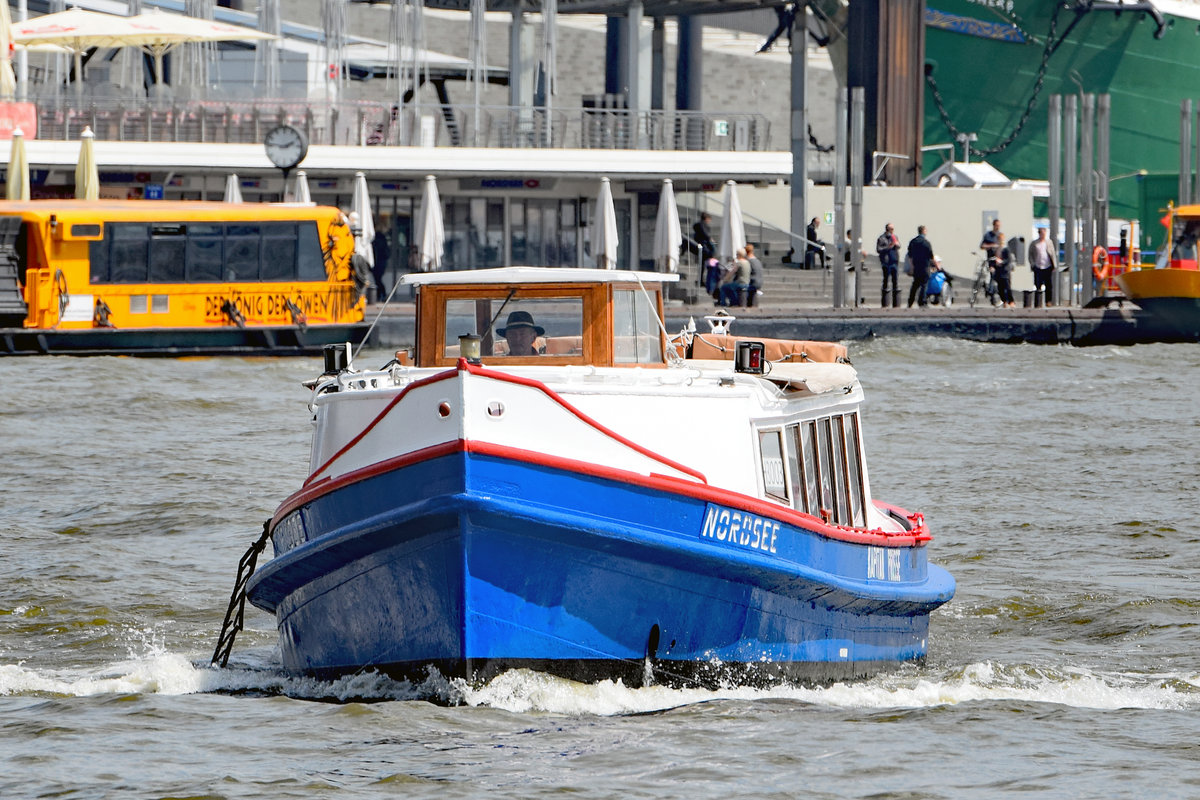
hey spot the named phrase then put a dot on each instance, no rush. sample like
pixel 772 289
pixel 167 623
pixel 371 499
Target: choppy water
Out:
pixel 1060 484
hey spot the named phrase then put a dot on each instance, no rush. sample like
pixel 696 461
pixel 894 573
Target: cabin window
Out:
pixel 795 467
pixel 854 464
pixel 205 252
pixel 309 262
pixel 168 248
pixel 279 253
pixel 770 449
pixel 636 328
pixel 825 466
pixel 241 252
pixel 127 258
pixel 825 463
pixel 98 259
pixel 546 326
pixel 837 451
pixel 812 477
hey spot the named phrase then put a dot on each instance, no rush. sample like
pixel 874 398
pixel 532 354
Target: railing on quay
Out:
pixel 367 123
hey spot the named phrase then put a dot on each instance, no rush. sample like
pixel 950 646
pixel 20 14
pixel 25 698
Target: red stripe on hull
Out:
pixel 664 483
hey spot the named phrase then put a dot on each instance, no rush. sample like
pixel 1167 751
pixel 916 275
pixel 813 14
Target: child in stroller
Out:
pixel 939 288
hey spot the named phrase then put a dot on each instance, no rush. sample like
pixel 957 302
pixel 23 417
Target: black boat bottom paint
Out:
pixel 277 341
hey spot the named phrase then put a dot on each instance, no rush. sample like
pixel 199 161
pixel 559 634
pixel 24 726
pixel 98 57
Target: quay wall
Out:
pixel 1080 327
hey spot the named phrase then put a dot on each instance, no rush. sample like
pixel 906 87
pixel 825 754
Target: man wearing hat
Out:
pixel 521 334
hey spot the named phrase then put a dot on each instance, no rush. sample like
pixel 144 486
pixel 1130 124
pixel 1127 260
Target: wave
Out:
pixel 524 691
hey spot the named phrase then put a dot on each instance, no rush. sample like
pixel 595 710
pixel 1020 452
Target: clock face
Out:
pixel 285 146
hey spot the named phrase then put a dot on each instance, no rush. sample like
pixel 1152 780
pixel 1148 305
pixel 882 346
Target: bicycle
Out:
pixel 983 280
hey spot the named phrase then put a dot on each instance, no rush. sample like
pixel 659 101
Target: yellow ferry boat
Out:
pixel 143 277
pixel 1171 289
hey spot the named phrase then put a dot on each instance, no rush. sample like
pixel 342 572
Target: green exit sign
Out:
pixel 720 127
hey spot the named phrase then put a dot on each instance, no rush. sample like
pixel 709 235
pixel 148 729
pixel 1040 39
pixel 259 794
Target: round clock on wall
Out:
pixel 286 146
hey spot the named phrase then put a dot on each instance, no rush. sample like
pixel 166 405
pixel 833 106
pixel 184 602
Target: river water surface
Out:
pixel 1060 484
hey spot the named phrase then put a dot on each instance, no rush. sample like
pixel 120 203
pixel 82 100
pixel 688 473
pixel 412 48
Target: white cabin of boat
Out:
pixel 602 344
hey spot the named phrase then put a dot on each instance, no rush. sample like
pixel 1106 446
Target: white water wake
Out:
pixel 523 691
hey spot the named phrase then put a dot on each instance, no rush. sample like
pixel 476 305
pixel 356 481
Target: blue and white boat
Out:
pixel 550 481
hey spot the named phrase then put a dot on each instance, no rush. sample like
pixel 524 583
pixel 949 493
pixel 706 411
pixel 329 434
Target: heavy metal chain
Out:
pixel 1052 45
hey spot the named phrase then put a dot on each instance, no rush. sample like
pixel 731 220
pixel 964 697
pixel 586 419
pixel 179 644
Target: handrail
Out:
pixel 763 223
pixel 241 120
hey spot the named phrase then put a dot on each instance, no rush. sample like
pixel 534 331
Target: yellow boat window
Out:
pixel 207 252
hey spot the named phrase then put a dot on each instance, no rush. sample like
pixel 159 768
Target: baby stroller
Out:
pixel 939 289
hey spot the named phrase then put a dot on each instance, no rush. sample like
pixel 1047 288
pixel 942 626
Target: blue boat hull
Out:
pixel 475 564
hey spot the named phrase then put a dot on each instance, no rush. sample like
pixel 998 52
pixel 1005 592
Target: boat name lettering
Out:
pixel 740 528
pixel 268 306
pixel 883 563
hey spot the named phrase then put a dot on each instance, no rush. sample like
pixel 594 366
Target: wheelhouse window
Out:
pixel 637 339
pixel 514 327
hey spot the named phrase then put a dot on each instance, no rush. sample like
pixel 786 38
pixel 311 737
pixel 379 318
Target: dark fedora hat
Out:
pixel 520 319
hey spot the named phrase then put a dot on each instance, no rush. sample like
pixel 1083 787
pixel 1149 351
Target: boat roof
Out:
pixel 509 275
pixel 161 210
pixel 1188 211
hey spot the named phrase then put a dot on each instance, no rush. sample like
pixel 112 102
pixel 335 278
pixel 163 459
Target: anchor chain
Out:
pixel 235 614
pixel 1052 44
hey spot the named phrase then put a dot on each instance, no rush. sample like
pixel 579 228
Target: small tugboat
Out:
pixel 137 277
pixel 1171 289
pixel 550 481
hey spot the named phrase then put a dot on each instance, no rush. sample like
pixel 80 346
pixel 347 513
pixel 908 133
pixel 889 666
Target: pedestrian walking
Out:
pixel 920 255
pixel 702 236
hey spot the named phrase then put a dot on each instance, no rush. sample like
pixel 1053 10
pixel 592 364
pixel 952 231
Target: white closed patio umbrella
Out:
pixel 604 228
pixel 300 191
pixel 17 187
pixel 360 212
pixel 733 230
pixel 431 232
pixel 668 235
pixel 233 189
pixel 87 174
